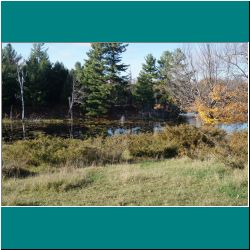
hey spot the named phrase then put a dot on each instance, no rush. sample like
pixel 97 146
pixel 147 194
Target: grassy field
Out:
pixel 173 182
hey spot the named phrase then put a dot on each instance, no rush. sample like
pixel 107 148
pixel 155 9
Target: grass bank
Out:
pixel 173 182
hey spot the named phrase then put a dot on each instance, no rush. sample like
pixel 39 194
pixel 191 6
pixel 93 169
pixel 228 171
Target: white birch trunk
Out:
pixel 21 83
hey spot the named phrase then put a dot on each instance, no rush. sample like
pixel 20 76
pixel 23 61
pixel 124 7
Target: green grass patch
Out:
pixel 234 191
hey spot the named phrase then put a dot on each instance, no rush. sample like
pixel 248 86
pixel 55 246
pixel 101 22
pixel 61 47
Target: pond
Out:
pixel 191 118
pixel 82 129
pixel 230 128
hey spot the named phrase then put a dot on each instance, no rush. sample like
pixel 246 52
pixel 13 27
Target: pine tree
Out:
pixel 114 71
pixel 176 77
pixel 96 87
pixel 38 69
pixel 57 82
pixel 144 92
pixel 10 87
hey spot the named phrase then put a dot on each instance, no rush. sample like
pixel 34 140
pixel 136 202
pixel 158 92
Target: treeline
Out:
pixel 45 84
pixel 99 86
pixel 209 79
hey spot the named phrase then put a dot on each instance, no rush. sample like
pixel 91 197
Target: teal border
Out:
pixel 138 227
pixel 125 21
pixel 126 227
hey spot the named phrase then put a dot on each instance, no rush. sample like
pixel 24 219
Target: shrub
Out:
pixel 191 141
pixel 234 153
pixel 153 146
pixel 182 140
pixel 55 151
pixel 239 145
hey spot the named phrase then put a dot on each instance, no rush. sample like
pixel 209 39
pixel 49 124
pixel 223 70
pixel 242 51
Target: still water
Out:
pixel 79 129
pixel 84 129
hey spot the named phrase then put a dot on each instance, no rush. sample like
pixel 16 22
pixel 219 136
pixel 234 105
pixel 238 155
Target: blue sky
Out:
pixel 70 53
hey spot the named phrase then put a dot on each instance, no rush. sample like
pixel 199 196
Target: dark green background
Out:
pixel 162 227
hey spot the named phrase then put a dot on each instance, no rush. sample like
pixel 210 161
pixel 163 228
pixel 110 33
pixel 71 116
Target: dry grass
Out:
pixel 175 182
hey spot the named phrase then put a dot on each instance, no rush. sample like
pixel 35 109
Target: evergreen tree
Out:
pixel 144 92
pixel 78 72
pixel 96 87
pixel 10 87
pixel 38 69
pixel 175 77
pixel 161 89
pixel 57 82
pixel 114 71
pixel 165 65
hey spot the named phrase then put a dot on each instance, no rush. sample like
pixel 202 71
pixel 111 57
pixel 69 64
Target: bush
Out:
pixel 191 141
pixel 152 146
pixel 234 153
pixel 182 140
pixel 54 151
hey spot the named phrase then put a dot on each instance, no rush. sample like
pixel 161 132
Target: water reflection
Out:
pixel 192 119
pixel 11 130
pixel 23 128
pixel 122 120
pixel 122 131
pixel 83 130
pixel 157 128
pixel 230 128
pixel 77 130
pixel 71 129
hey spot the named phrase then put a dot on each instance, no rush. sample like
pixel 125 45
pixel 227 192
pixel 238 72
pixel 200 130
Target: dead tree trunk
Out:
pixel 72 100
pixel 20 76
pixel 71 103
pixel 23 125
pixel 11 125
pixel 77 97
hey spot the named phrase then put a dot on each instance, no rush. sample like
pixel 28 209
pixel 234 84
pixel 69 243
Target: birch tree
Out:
pixel 21 80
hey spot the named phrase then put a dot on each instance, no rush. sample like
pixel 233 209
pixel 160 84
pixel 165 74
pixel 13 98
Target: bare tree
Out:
pixel 77 96
pixel 207 70
pixel 219 67
pixel 193 77
pixel 189 85
pixel 235 58
pixel 21 80
pixel 208 64
pixel 178 77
